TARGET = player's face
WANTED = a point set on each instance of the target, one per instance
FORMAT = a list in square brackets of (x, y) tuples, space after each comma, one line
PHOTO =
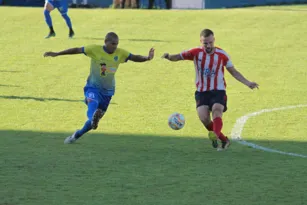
[(208, 43), (111, 45)]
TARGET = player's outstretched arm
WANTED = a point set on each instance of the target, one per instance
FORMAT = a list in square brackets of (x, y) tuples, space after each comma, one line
[(237, 75), (69, 51), (176, 57), (139, 58)]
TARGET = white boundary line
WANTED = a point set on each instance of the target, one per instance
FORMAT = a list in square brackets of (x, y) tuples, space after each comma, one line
[(239, 125)]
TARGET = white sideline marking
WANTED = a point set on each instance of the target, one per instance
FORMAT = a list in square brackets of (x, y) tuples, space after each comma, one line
[(239, 125)]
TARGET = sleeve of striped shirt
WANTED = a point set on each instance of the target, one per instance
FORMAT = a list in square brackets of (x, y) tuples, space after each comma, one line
[(189, 54), (228, 62)]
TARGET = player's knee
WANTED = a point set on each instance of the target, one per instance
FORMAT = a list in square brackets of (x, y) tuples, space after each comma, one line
[(217, 110), (46, 12), (64, 15), (48, 7), (205, 120), (217, 113)]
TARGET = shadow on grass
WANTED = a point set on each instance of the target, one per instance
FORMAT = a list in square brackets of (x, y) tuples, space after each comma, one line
[(132, 39), (281, 6), (114, 169), (10, 71), (13, 97), (2, 85)]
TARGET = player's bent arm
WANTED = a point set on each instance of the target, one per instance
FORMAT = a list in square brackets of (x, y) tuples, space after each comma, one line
[(175, 57), (69, 51), (237, 75), (138, 58)]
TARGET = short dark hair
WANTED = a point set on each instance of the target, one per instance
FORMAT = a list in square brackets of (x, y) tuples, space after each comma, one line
[(206, 33), (111, 35)]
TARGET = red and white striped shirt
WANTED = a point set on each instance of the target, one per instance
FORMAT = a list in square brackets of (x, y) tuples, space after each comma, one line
[(209, 68)]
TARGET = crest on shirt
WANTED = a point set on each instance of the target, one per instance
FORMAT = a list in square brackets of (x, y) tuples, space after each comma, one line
[(209, 73), (116, 58), (112, 70), (103, 69)]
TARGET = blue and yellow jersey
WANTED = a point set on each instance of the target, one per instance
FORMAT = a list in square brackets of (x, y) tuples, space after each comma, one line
[(103, 67)]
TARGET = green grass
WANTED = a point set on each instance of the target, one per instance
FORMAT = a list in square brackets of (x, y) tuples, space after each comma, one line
[(298, 7), (133, 157)]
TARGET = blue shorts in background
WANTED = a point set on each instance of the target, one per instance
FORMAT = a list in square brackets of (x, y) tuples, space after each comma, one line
[(61, 5), (94, 94)]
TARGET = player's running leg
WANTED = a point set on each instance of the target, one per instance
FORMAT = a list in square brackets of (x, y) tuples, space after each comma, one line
[(47, 9), (63, 9), (204, 116), (101, 110), (97, 106), (217, 113), (203, 100), (92, 106)]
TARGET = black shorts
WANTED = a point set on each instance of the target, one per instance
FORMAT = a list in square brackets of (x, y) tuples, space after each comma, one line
[(209, 98)]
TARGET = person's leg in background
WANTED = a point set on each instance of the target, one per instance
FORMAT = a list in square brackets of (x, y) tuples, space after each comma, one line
[(116, 4), (144, 4), (128, 4), (63, 9), (85, 4), (151, 4), (168, 4), (137, 3), (161, 4), (122, 3), (134, 4), (47, 9), (74, 4)]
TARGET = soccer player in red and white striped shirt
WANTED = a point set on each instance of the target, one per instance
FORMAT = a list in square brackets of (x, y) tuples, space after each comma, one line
[(210, 95)]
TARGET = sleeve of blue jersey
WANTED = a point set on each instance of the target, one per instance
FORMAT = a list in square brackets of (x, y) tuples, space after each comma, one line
[(128, 58), (83, 51)]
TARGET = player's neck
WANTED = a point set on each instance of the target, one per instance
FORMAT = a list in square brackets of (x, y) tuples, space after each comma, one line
[(105, 49), (213, 50)]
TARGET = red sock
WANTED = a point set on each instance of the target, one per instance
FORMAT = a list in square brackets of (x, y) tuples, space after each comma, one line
[(209, 127), (222, 137), (217, 128)]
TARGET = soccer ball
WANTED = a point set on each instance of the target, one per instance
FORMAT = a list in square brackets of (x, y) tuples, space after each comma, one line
[(176, 121)]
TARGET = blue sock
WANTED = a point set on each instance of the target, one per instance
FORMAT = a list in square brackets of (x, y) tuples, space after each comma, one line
[(67, 19), (91, 108), (87, 127), (48, 18)]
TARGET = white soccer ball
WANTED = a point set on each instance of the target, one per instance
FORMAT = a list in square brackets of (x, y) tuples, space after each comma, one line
[(176, 121)]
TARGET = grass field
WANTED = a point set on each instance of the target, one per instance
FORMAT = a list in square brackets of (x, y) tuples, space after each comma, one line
[(134, 158)]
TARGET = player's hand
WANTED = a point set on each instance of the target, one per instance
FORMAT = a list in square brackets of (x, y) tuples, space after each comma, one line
[(252, 85), (50, 54), (151, 54), (165, 55)]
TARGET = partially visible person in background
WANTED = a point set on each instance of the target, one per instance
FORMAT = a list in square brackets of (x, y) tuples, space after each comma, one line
[(144, 4), (159, 4), (62, 6), (83, 3), (126, 4)]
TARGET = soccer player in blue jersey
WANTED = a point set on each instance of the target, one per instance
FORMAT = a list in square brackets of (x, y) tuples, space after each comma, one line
[(62, 6), (100, 86)]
